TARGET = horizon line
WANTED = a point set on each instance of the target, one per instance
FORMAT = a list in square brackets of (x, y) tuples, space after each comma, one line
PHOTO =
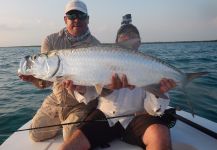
[(156, 42)]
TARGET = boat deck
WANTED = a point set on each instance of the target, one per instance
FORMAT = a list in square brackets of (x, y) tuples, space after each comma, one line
[(183, 137)]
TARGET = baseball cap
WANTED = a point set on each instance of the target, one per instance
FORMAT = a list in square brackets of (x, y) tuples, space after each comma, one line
[(126, 19), (76, 5)]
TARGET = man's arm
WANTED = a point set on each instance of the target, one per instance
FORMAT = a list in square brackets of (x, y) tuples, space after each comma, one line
[(154, 105), (45, 46)]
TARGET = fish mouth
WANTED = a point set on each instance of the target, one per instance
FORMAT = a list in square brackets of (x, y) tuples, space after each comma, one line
[(25, 65)]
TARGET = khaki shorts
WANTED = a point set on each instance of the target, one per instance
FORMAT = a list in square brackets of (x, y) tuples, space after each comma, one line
[(51, 113)]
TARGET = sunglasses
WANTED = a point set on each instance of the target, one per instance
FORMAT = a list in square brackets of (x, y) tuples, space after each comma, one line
[(77, 16)]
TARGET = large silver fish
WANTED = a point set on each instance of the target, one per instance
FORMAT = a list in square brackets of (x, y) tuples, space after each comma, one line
[(95, 65)]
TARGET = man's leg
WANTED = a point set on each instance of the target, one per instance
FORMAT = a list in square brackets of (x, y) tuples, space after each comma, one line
[(69, 129), (78, 113), (41, 120), (77, 141), (45, 116), (150, 132), (92, 134), (157, 137)]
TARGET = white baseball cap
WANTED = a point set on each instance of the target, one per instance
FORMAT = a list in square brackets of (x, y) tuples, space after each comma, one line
[(76, 5)]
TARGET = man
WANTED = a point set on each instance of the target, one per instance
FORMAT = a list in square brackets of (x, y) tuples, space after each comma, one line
[(148, 131), (60, 106), (128, 35)]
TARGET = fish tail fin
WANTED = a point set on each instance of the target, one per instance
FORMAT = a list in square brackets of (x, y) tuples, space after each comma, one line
[(191, 76)]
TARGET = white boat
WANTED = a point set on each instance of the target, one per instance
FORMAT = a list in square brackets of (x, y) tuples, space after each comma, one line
[(184, 137)]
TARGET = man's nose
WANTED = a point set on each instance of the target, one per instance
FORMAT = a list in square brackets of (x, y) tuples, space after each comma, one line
[(76, 20)]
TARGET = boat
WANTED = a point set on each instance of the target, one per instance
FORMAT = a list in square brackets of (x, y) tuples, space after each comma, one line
[(189, 133)]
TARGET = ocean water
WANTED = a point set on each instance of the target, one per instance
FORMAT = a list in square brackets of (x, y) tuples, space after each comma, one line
[(20, 100)]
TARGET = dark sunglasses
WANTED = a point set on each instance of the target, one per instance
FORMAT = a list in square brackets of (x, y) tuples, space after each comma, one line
[(77, 16)]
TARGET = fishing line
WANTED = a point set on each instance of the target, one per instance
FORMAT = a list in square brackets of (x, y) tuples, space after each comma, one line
[(170, 112), (76, 122)]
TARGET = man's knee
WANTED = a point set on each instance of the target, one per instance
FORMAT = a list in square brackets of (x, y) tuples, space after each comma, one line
[(76, 141), (41, 120), (68, 131), (157, 134), (42, 134)]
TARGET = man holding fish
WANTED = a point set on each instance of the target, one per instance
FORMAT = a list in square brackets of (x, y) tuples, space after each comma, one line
[(61, 106), (150, 131)]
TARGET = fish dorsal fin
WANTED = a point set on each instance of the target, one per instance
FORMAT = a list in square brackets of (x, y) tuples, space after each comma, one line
[(99, 88), (155, 89)]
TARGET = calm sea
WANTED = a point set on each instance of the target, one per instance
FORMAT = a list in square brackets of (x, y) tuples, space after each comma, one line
[(19, 100)]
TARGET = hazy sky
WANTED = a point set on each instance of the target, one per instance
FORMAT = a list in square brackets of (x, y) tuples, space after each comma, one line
[(27, 22)]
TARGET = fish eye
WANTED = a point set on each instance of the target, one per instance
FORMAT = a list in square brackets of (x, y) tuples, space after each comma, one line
[(34, 57)]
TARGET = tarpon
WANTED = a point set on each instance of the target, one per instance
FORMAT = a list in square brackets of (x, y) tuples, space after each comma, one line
[(94, 66)]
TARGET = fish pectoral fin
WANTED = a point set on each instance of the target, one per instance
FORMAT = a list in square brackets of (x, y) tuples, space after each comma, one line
[(99, 88), (155, 89)]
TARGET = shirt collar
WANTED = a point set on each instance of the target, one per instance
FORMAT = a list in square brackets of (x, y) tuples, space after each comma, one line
[(77, 38)]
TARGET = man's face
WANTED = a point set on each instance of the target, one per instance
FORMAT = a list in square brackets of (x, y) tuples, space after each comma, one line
[(76, 22), (130, 39)]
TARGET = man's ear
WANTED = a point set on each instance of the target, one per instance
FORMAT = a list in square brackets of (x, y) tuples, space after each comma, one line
[(65, 19)]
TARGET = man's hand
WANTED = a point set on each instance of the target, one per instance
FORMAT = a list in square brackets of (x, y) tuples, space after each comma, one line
[(117, 83), (41, 84), (166, 85), (70, 87), (27, 78)]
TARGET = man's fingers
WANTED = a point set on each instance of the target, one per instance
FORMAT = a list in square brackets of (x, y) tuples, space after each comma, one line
[(65, 84), (169, 83), (116, 82), (163, 89), (113, 85), (68, 84), (173, 83), (166, 85), (27, 78), (124, 81)]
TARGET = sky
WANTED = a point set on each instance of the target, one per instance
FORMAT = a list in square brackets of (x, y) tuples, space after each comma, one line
[(28, 22)]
